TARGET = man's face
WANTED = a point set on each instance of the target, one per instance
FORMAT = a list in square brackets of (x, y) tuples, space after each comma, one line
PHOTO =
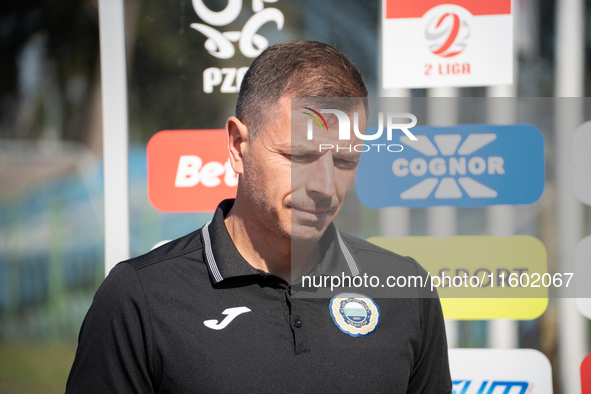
[(295, 189)]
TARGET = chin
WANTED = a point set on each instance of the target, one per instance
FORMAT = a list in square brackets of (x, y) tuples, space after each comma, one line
[(305, 234)]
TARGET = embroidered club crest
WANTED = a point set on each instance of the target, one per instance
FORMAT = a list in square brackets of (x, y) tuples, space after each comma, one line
[(355, 314)]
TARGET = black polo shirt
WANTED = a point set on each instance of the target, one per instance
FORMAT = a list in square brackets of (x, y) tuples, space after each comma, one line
[(192, 316)]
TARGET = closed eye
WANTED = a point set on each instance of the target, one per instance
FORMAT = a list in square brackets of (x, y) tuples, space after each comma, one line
[(345, 164)]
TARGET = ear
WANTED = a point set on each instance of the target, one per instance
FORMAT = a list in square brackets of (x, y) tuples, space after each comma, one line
[(237, 136)]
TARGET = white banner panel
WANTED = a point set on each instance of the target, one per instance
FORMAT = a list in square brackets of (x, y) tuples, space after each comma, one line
[(500, 371), (437, 43), (583, 274), (582, 158)]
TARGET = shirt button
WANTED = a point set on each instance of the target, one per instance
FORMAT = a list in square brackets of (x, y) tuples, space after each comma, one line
[(297, 322)]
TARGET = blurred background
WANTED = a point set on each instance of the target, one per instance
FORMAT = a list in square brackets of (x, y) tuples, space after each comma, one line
[(51, 154)]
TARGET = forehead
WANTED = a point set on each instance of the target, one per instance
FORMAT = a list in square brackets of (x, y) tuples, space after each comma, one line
[(291, 118), (286, 131), (324, 117)]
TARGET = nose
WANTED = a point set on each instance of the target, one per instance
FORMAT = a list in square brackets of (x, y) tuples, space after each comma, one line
[(321, 177)]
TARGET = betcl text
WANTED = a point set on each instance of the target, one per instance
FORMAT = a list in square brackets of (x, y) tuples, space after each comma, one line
[(191, 171)]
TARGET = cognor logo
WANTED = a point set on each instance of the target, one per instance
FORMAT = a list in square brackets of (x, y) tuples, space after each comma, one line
[(464, 166), (220, 44), (447, 33), (443, 173)]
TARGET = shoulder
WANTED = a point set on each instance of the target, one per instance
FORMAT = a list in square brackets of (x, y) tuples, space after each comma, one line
[(161, 270), (186, 247), (137, 280)]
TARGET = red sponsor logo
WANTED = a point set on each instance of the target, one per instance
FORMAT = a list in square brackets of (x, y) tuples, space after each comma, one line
[(586, 375), (189, 170), (447, 34), (418, 8)]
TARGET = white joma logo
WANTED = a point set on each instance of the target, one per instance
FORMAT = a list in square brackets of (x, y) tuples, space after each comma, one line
[(231, 315)]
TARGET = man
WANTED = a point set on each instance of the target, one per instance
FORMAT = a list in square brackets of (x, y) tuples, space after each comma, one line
[(215, 311)]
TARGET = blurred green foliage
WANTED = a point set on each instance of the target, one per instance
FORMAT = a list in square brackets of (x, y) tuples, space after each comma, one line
[(41, 368)]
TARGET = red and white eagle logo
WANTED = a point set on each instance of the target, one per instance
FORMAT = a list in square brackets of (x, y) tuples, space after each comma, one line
[(447, 34)]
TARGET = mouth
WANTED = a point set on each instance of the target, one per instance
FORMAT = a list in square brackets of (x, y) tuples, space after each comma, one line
[(311, 214)]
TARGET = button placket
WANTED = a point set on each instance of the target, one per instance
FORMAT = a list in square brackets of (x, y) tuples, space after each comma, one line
[(298, 326)]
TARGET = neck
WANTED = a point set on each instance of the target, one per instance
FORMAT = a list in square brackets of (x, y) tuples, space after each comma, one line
[(266, 250)]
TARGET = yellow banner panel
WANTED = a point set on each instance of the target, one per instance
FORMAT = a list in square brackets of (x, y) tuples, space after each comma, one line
[(482, 277)]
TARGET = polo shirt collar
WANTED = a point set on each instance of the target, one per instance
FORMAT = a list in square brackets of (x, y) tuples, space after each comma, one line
[(224, 261)]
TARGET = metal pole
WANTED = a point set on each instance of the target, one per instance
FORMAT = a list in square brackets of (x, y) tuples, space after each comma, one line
[(115, 131), (570, 35), (442, 220), (395, 221), (502, 333)]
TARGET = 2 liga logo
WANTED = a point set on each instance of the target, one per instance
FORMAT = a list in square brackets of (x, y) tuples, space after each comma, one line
[(447, 30)]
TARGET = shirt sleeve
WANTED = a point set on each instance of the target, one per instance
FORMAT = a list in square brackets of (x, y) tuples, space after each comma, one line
[(431, 370), (114, 346)]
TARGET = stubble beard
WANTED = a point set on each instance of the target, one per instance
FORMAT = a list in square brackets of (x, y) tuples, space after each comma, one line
[(266, 214)]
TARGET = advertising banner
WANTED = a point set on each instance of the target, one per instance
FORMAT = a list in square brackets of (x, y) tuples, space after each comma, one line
[(432, 43), (189, 170), (583, 275), (586, 375), (495, 371), (484, 273), (222, 40), (582, 159), (461, 166)]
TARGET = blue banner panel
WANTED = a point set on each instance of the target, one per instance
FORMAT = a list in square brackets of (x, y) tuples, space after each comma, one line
[(461, 166)]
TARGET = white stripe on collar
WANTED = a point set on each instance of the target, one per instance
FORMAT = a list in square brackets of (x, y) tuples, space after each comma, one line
[(218, 277), (209, 255), (348, 257)]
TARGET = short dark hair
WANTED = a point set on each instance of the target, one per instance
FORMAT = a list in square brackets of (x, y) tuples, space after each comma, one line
[(296, 69)]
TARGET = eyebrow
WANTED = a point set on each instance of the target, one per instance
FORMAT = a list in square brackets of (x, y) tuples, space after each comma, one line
[(303, 147), (346, 155), (307, 148)]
